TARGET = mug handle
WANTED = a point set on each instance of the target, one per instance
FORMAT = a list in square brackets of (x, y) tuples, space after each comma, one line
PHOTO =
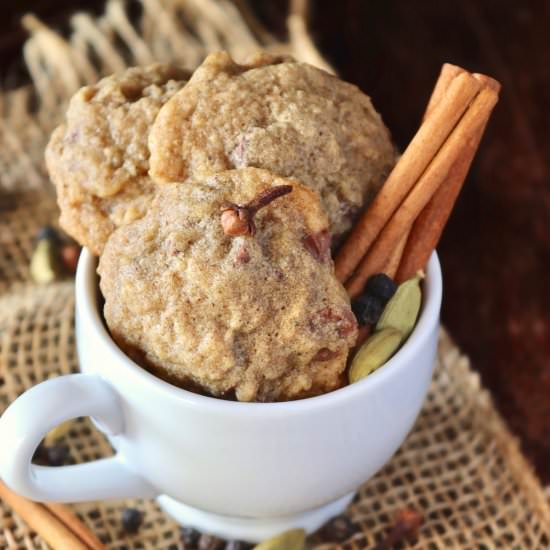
[(30, 417)]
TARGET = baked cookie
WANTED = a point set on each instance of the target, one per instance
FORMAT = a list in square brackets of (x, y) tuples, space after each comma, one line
[(99, 159), (250, 310), (274, 113)]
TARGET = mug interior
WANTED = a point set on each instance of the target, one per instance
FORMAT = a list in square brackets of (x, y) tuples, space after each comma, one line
[(89, 314)]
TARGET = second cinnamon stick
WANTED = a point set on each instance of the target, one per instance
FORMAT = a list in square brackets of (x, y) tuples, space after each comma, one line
[(71, 521), (422, 149), (41, 520), (429, 225), (446, 76), (449, 157)]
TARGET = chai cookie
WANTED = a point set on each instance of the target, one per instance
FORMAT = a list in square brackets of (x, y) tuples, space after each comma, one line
[(99, 159), (249, 310), (290, 118)]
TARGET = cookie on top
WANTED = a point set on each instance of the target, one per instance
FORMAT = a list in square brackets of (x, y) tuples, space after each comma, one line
[(274, 113)]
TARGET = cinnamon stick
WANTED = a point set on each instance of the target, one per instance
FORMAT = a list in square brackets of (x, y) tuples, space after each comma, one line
[(422, 149), (394, 260), (48, 525), (61, 512), (446, 76), (448, 160), (429, 225)]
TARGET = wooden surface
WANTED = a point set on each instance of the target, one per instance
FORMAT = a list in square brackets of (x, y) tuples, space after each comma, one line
[(496, 249)]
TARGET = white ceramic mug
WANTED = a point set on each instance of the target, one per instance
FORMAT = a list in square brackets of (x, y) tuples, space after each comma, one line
[(237, 470)]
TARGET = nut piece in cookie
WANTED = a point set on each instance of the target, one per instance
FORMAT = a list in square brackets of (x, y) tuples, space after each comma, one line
[(290, 118), (257, 315), (99, 159)]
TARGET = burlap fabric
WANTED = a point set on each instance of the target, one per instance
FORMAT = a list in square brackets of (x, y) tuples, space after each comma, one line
[(460, 466)]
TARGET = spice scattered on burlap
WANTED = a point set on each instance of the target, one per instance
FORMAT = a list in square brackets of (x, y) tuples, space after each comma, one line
[(460, 467)]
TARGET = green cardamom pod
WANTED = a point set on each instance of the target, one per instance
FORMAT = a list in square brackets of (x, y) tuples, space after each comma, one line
[(402, 310), (379, 347), (44, 261), (295, 539)]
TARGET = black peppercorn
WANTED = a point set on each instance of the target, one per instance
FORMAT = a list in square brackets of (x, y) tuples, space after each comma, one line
[(381, 286), (131, 520), (367, 308), (338, 529), (57, 454), (190, 537)]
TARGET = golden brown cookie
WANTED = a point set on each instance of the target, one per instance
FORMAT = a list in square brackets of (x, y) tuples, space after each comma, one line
[(287, 117), (258, 316), (99, 159)]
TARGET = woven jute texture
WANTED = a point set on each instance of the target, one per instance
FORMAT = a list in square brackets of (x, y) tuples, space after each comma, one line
[(460, 466)]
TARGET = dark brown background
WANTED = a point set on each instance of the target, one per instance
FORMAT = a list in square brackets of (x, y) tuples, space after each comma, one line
[(495, 251)]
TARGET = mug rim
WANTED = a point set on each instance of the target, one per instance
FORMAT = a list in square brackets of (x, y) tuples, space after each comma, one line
[(87, 304)]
